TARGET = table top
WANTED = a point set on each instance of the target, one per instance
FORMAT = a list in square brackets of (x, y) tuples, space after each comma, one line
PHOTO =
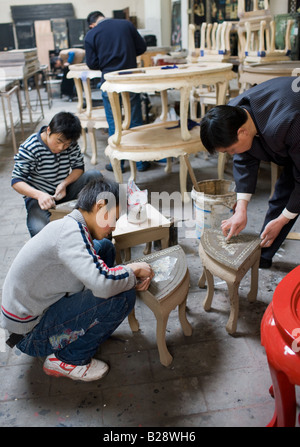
[(182, 70), (155, 219), (82, 71), (161, 77), (282, 67)]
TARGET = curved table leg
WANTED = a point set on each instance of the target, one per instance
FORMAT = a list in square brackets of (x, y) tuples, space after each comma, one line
[(84, 144), (116, 111), (183, 179), (116, 165), (132, 165), (93, 145), (164, 105), (221, 164)]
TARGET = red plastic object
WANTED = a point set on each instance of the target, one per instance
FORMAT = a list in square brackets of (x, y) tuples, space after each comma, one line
[(280, 336)]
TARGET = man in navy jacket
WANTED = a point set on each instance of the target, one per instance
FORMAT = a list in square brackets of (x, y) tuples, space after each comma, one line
[(112, 45), (262, 124)]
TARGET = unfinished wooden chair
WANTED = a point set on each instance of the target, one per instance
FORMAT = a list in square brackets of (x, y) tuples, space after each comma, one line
[(91, 117), (253, 17), (229, 262), (261, 49), (168, 290)]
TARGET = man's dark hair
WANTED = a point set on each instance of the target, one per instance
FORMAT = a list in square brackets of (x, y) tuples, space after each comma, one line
[(67, 124), (219, 127), (95, 190), (93, 17)]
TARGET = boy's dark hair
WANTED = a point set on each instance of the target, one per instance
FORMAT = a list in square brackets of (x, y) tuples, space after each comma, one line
[(98, 189), (93, 17), (219, 127), (67, 124)]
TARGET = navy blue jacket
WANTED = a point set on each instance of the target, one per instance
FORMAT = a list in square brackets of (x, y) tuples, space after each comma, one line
[(113, 45), (275, 109)]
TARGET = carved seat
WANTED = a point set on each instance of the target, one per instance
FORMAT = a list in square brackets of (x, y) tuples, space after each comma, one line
[(230, 262), (167, 290)]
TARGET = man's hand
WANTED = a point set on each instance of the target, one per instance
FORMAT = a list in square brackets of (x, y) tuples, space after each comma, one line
[(143, 273), (236, 223), (272, 230)]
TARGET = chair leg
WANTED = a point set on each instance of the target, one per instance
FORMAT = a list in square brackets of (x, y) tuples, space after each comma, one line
[(234, 307), (92, 136), (202, 280), (285, 400), (116, 165), (132, 165), (133, 322), (210, 290), (186, 327), (164, 354), (254, 282)]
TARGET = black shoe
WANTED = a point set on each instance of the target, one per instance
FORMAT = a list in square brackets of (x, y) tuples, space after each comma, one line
[(109, 168), (142, 166), (265, 263)]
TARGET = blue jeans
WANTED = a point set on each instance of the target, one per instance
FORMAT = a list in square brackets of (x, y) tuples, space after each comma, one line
[(75, 326), (38, 218), (136, 112)]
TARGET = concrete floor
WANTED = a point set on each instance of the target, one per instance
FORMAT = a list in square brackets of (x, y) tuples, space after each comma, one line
[(215, 380)]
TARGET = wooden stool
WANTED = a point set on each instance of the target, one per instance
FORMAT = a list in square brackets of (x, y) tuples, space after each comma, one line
[(62, 210), (230, 262), (164, 296), (127, 235), (280, 336)]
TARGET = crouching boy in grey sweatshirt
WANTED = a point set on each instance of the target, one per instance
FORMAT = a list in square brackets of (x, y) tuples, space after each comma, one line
[(62, 294)]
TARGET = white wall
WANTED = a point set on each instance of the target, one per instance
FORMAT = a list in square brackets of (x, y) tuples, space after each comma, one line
[(81, 7), (279, 6)]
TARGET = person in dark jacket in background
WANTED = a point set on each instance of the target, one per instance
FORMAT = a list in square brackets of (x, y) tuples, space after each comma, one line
[(261, 124), (112, 45)]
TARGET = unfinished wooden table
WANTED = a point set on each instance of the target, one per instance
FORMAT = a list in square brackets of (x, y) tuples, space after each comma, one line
[(164, 139)]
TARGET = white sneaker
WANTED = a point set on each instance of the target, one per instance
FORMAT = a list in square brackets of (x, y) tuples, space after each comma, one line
[(87, 373)]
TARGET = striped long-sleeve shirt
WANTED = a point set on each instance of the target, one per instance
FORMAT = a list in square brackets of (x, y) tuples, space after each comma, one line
[(36, 165)]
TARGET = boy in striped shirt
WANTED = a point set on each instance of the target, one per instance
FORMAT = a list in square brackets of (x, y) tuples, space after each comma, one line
[(49, 169)]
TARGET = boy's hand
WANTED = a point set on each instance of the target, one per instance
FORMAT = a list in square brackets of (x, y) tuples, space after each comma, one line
[(46, 201), (60, 192), (143, 273)]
